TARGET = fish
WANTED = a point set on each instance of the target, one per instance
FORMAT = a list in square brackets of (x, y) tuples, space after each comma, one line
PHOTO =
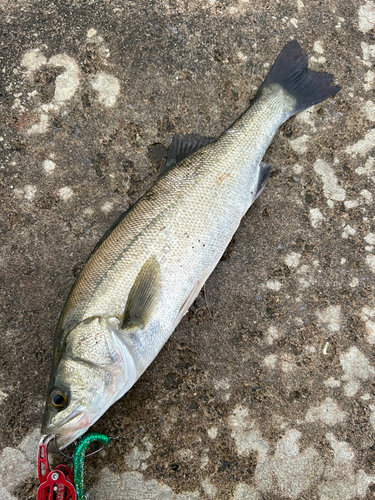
[(150, 266)]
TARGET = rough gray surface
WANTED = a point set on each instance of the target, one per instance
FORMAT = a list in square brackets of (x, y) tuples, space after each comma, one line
[(275, 397)]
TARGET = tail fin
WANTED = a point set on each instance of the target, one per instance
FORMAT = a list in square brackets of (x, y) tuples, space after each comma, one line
[(290, 71)]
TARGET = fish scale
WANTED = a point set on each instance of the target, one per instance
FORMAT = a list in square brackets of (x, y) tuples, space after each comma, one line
[(143, 277)]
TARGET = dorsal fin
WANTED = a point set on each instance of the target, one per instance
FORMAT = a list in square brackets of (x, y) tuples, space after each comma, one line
[(183, 146), (144, 295)]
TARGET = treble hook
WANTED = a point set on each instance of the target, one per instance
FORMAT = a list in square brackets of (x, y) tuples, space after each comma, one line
[(75, 443)]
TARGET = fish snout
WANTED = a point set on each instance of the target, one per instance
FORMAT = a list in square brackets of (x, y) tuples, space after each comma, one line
[(70, 429)]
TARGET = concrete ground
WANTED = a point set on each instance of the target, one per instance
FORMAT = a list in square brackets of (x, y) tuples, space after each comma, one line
[(266, 389)]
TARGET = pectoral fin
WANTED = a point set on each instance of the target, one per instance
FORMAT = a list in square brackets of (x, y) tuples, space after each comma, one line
[(144, 296)]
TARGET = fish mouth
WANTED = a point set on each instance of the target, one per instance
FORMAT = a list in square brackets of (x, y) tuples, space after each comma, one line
[(65, 438), (70, 429), (75, 417)]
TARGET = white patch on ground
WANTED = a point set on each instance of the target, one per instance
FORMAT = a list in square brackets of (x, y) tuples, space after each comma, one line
[(316, 217), (135, 458), (270, 361), (278, 421), (370, 239), (304, 283), (245, 492), (356, 367), (65, 193), (222, 386), (273, 285), (241, 56), (29, 192), (372, 416), (91, 33), (331, 188), (204, 459), (294, 22), (318, 47), (49, 166), (287, 365), (107, 207), (108, 88), (212, 432), (367, 196), (368, 316), (33, 60), (369, 81), (328, 412), (272, 335), (17, 105), (366, 17), (354, 282), (3, 396), (326, 348), (363, 146), (102, 50), (369, 109), (41, 127), (351, 204), (292, 260), (209, 489), (300, 145), (368, 53), (132, 486), (341, 481), (18, 464), (368, 169), (348, 231), (370, 261), (295, 471), (67, 83), (330, 317), (332, 383), (306, 117), (320, 59), (297, 169)]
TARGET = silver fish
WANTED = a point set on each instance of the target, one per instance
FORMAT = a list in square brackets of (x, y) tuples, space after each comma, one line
[(144, 275)]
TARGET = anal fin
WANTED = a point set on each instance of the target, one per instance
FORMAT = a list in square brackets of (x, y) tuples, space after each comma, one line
[(264, 175), (193, 294)]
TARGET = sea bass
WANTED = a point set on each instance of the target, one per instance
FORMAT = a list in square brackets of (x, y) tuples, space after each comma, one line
[(150, 266)]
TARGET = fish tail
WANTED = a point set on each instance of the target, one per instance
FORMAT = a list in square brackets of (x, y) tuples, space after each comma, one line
[(290, 71)]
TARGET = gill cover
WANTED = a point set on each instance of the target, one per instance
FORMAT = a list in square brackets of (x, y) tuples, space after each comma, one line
[(94, 369)]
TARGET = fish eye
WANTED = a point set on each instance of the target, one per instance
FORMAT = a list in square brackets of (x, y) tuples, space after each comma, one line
[(58, 398)]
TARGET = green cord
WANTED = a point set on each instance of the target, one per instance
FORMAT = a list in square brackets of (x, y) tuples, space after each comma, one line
[(78, 458)]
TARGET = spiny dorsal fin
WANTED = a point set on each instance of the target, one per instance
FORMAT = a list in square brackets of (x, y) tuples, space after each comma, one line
[(143, 296), (183, 146), (264, 175)]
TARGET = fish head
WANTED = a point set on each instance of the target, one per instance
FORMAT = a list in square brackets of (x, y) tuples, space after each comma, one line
[(93, 369)]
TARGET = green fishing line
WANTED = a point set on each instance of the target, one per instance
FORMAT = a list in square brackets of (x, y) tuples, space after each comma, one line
[(79, 456)]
